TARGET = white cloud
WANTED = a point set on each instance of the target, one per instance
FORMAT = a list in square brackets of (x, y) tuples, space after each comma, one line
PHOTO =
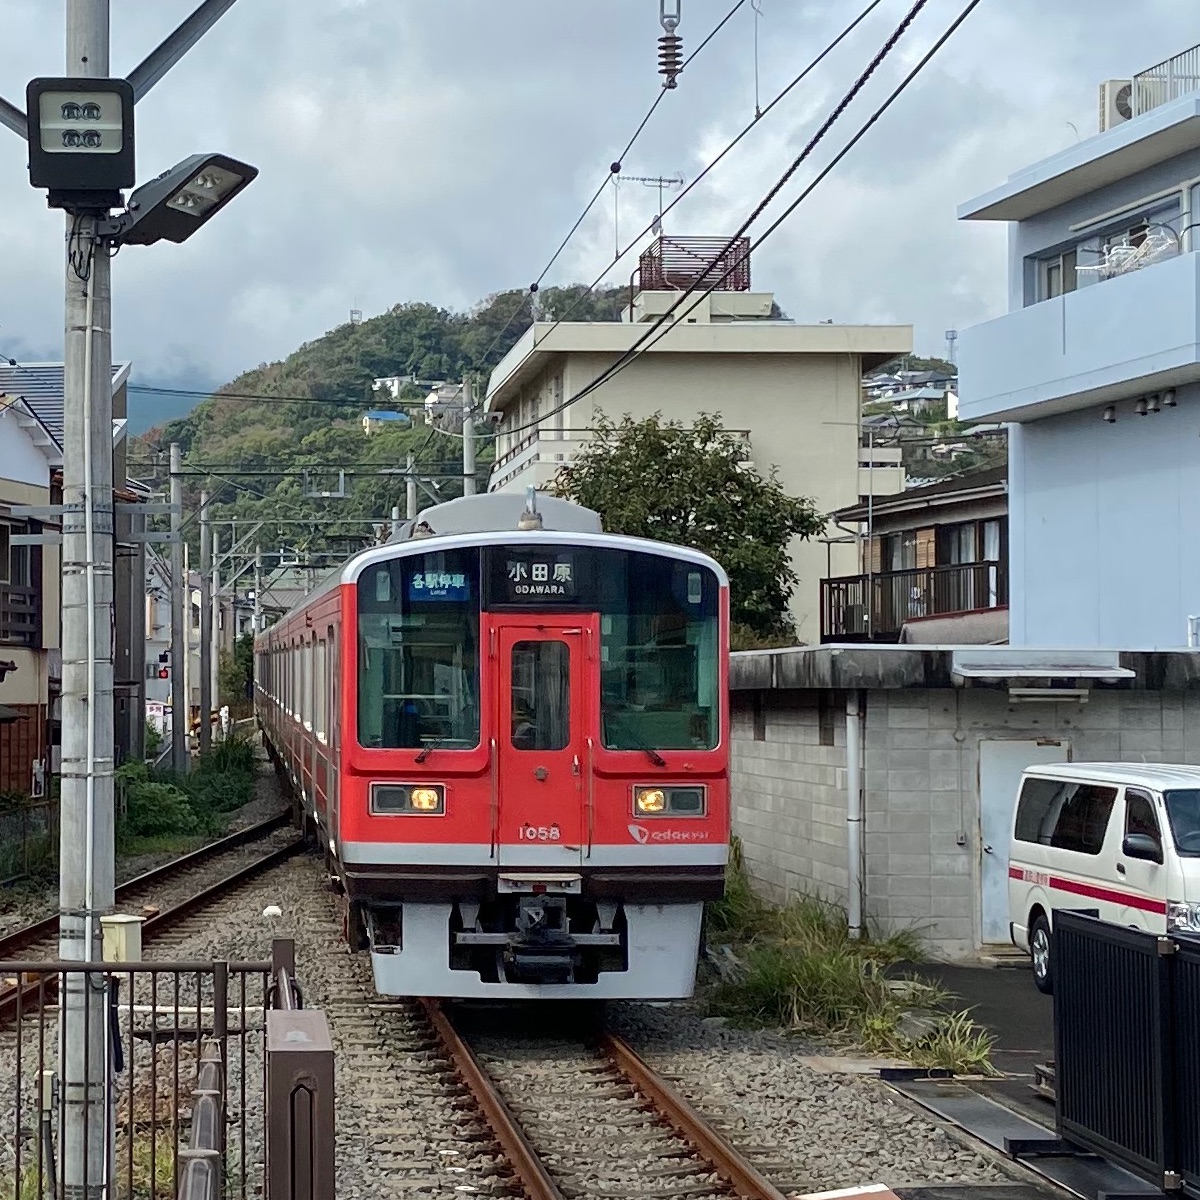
[(417, 151)]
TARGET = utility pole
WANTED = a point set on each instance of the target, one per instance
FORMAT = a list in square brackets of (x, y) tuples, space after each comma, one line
[(395, 520), (206, 626), (411, 488), (180, 621), (214, 630), (86, 863), (468, 432), (257, 590)]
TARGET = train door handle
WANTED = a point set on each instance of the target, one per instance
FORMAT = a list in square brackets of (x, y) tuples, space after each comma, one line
[(988, 850), (1121, 868), (541, 774), (575, 765)]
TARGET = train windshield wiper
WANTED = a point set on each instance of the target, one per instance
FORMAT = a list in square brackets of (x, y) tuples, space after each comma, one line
[(430, 748), (653, 755)]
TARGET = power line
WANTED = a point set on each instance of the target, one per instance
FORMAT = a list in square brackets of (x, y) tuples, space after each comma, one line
[(657, 332), (614, 169), (664, 323), (812, 66)]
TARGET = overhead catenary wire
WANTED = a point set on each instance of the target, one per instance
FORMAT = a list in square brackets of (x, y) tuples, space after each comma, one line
[(614, 169), (665, 323), (662, 327), (779, 98)]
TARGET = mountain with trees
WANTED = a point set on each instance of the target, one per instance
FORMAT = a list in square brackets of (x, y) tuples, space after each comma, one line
[(269, 442)]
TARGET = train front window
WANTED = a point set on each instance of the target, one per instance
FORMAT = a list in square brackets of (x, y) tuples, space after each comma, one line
[(659, 654), (418, 652)]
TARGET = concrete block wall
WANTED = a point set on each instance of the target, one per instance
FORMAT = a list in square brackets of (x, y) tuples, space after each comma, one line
[(922, 849), (789, 793)]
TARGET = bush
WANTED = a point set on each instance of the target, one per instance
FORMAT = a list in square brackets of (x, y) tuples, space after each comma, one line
[(156, 809), (798, 966)]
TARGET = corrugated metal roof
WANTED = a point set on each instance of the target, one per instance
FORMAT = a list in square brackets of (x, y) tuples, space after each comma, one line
[(40, 385)]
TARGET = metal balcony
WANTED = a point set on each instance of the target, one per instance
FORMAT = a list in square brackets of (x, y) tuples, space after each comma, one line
[(875, 608), (20, 616)]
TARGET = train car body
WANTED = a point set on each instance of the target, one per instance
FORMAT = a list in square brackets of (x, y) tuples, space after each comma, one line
[(509, 731)]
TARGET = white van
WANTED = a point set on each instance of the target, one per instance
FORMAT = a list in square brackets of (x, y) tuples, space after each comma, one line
[(1120, 839)]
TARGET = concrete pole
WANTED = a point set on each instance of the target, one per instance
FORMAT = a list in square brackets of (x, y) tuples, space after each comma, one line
[(180, 622), (187, 657), (411, 488), (468, 432), (86, 864), (213, 657), (395, 520), (206, 626), (257, 590)]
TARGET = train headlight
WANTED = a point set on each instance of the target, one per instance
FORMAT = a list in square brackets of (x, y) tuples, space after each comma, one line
[(407, 800), (426, 799), (669, 801), (651, 800)]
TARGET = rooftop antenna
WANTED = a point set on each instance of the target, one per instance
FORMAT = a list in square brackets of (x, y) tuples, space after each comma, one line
[(659, 181), (530, 518)]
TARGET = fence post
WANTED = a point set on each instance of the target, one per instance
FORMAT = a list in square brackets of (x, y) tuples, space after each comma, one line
[(300, 1106)]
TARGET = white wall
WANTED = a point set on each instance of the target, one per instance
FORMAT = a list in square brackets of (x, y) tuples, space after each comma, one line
[(20, 460), (1105, 528)]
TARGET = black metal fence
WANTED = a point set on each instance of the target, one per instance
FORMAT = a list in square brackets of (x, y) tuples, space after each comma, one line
[(1127, 1047), (28, 838), (187, 1108)]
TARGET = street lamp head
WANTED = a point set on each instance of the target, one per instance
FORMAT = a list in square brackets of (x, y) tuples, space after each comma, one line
[(172, 207), (81, 147)]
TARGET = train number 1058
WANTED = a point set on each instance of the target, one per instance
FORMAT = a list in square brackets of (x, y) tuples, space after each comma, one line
[(540, 833)]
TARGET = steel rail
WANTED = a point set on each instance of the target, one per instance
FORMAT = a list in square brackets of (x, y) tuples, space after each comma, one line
[(20, 939), (13, 998), (731, 1166), (531, 1171)]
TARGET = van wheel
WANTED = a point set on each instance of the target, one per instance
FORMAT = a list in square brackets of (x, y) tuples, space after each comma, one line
[(1039, 945)]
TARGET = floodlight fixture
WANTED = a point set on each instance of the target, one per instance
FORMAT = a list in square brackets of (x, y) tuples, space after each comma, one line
[(172, 207), (81, 146)]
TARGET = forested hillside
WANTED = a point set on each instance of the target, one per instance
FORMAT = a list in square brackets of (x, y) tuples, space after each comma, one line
[(251, 442)]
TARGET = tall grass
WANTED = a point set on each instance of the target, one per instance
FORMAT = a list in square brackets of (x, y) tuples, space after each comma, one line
[(799, 967)]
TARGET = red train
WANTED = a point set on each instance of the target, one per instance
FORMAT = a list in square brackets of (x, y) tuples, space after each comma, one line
[(510, 732)]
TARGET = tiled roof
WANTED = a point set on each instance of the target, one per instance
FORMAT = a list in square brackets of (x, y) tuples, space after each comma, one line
[(40, 385)]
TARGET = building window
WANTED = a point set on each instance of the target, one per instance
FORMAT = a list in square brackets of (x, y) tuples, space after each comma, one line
[(1058, 275), (900, 551), (5, 552)]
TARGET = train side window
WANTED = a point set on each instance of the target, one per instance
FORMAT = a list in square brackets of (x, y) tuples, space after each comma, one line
[(541, 696)]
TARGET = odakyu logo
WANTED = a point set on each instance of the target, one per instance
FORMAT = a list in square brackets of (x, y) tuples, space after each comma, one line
[(644, 836)]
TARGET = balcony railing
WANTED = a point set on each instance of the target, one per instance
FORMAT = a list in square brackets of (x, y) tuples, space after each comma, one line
[(1165, 82), (874, 608), (20, 616)]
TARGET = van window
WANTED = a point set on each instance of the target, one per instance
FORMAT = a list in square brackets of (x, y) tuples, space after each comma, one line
[(1183, 811), (1068, 816), (1139, 816)]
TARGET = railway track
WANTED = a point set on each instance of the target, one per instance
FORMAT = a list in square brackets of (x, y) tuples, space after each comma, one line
[(216, 869), (608, 1124)]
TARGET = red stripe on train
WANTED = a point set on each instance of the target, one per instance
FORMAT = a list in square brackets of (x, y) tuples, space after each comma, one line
[(1093, 892)]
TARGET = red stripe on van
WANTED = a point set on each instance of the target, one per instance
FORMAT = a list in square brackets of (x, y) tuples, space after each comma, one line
[(1091, 891), (1113, 897)]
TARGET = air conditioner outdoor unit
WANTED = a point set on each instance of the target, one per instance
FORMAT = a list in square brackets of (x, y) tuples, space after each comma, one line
[(1116, 103)]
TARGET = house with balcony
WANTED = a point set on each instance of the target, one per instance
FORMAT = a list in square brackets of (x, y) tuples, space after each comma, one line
[(793, 390), (32, 395), (30, 657), (1096, 370), (933, 569)]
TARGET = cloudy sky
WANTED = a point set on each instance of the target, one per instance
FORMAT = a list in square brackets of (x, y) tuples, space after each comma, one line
[(440, 149)]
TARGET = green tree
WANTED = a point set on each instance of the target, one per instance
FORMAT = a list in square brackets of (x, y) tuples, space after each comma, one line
[(691, 487)]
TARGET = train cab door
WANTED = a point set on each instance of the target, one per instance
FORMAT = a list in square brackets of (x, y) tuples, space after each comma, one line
[(541, 760)]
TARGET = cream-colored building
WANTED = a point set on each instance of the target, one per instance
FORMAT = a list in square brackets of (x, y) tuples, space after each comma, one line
[(794, 391)]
